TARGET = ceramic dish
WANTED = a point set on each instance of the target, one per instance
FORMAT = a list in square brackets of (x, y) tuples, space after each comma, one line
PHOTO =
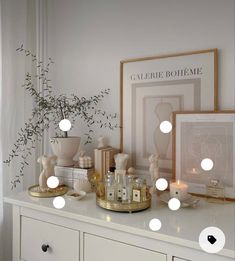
[(76, 195), (35, 191), (190, 201)]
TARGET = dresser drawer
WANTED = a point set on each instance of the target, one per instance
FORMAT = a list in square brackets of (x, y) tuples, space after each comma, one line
[(179, 259), (102, 249), (63, 242)]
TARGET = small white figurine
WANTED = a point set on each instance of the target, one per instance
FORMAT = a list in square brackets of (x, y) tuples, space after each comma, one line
[(121, 160), (48, 163), (102, 142), (154, 167)]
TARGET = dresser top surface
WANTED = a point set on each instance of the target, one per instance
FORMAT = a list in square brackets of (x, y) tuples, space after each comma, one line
[(180, 227)]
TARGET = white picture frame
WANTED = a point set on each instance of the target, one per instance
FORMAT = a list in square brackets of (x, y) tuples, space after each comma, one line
[(160, 85), (201, 135)]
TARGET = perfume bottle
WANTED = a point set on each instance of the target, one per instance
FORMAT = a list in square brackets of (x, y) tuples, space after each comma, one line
[(124, 190), (136, 192), (144, 191), (119, 187), (109, 175), (109, 190), (130, 179), (215, 189)]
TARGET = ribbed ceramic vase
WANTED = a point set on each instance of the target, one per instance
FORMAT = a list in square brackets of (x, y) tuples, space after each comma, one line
[(65, 149)]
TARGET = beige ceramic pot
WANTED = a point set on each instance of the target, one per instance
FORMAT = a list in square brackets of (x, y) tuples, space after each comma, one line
[(65, 149)]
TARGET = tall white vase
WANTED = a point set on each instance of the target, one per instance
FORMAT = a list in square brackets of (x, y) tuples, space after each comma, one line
[(65, 149)]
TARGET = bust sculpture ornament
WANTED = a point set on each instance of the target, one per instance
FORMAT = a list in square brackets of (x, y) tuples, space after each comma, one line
[(121, 160), (48, 164)]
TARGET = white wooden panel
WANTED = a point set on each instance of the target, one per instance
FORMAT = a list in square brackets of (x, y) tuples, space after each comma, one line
[(179, 259), (16, 233), (63, 242), (98, 248)]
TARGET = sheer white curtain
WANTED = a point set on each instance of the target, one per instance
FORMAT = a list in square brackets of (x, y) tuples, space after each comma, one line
[(1, 190), (17, 27)]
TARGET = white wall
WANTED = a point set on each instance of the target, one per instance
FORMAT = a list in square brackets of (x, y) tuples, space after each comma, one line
[(17, 27), (88, 38), (1, 178)]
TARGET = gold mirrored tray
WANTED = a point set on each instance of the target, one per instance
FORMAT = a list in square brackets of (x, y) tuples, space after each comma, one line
[(35, 191), (124, 207)]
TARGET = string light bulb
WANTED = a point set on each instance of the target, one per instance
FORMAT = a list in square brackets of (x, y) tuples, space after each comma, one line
[(65, 125)]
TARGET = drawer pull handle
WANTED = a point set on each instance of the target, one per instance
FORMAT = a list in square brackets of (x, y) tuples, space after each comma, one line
[(45, 247)]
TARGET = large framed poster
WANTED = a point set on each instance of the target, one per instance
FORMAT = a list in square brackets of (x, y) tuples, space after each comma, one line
[(151, 90), (203, 136)]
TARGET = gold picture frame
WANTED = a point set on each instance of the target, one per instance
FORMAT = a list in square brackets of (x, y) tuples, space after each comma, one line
[(143, 80), (205, 134)]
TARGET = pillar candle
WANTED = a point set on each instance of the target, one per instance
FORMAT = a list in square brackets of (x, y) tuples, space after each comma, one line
[(179, 190)]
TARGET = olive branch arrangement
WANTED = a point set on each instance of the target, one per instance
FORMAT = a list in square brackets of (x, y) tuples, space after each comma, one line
[(50, 109)]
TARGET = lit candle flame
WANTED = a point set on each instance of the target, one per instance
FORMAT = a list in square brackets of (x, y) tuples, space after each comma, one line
[(178, 182)]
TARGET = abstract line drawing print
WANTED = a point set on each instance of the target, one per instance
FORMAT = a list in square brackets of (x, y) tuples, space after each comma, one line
[(151, 103), (209, 140)]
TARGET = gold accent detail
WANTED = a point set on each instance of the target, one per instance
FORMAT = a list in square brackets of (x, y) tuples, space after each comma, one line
[(35, 191), (124, 207)]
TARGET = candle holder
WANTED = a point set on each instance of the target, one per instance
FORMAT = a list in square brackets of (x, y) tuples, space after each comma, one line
[(179, 190), (190, 201)]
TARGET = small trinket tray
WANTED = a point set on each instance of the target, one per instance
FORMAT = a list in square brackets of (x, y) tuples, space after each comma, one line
[(73, 195), (190, 201), (35, 191)]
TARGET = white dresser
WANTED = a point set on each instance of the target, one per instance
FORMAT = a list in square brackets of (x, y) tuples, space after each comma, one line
[(82, 231)]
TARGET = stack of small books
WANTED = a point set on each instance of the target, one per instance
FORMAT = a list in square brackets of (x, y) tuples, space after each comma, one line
[(69, 175), (104, 159)]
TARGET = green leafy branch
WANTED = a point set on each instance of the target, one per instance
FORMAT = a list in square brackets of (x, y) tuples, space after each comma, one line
[(50, 109)]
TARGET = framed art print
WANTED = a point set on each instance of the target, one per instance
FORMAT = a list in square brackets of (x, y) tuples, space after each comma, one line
[(200, 136), (151, 89)]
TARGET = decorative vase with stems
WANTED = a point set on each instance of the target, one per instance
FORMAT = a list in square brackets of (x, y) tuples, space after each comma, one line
[(49, 110)]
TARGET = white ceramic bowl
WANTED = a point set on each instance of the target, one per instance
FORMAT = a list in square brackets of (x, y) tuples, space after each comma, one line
[(76, 195)]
